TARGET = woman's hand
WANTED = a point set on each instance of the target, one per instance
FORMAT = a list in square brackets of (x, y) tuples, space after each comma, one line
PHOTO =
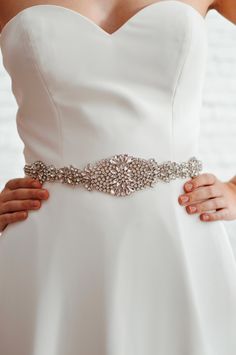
[(17, 197), (209, 193)]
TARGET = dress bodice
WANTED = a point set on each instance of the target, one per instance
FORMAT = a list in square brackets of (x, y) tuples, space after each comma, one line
[(84, 94)]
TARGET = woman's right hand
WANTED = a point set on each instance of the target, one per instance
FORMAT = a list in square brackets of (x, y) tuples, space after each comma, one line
[(17, 197)]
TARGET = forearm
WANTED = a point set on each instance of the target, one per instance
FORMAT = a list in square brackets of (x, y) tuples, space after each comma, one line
[(233, 180)]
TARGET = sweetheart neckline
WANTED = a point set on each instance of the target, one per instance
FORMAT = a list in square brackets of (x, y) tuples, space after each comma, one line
[(99, 28)]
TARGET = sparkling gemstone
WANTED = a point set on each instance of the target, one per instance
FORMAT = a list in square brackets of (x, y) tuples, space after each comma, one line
[(119, 175)]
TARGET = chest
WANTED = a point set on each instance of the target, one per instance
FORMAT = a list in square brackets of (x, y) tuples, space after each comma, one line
[(108, 15)]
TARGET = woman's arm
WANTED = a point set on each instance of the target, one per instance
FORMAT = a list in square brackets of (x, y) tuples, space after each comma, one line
[(233, 180), (17, 197), (206, 193), (226, 8)]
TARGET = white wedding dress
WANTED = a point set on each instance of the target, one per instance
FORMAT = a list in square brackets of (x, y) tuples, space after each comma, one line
[(91, 273)]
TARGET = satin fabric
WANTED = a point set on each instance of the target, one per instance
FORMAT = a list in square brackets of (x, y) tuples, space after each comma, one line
[(90, 273)]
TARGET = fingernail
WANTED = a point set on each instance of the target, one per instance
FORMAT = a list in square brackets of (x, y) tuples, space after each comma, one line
[(188, 187), (43, 194), (184, 198), (192, 208), (206, 216), (36, 184)]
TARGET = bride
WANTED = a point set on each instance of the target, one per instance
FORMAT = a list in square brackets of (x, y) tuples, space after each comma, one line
[(93, 260), (20, 195)]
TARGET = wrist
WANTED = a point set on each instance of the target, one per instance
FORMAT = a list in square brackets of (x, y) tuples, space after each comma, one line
[(233, 180), (232, 184)]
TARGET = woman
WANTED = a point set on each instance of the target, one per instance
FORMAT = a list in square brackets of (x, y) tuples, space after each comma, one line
[(104, 264)]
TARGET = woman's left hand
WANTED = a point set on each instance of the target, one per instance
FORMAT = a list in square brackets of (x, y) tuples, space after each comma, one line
[(210, 194)]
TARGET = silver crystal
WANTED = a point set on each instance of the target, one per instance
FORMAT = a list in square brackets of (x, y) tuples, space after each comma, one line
[(119, 175)]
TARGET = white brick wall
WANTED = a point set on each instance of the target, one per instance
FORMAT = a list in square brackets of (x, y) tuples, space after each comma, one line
[(218, 120)]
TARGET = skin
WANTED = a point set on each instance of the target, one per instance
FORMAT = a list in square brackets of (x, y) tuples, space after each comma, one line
[(112, 14), (17, 199), (208, 192)]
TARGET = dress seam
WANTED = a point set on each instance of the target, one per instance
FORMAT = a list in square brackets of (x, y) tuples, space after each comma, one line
[(49, 94), (177, 85)]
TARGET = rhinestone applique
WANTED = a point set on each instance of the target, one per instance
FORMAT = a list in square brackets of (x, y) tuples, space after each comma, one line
[(119, 175)]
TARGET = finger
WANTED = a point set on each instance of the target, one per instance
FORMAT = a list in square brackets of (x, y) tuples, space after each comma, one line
[(215, 216), (208, 205), (8, 218), (26, 182), (200, 194), (200, 180), (25, 194), (19, 205)]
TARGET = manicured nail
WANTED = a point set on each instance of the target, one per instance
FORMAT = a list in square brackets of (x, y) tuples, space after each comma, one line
[(188, 187), (184, 198), (36, 184), (206, 217), (43, 194), (192, 208)]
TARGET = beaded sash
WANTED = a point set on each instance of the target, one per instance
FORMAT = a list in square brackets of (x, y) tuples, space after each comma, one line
[(119, 175)]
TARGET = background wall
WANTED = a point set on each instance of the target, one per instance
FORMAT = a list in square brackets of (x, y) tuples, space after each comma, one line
[(218, 117)]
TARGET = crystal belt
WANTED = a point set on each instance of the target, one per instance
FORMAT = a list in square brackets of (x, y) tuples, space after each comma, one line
[(119, 175)]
